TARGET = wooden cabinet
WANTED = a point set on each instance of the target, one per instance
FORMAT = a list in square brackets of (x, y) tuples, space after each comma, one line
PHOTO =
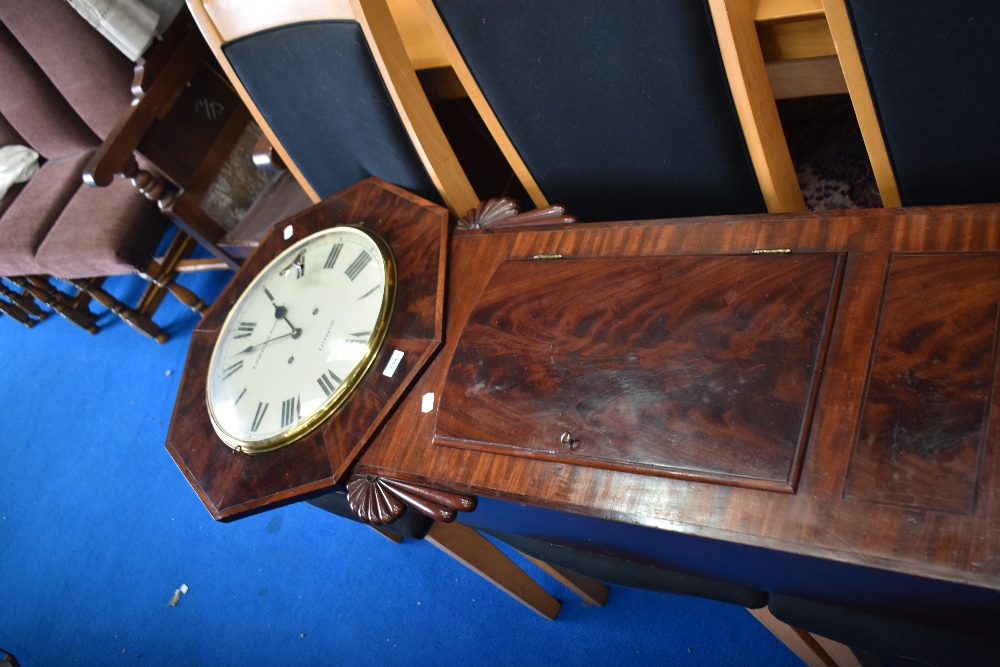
[(819, 386), (701, 367)]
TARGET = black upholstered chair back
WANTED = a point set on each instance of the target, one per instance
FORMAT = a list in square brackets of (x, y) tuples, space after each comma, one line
[(933, 70), (618, 109), (318, 87), (621, 572), (900, 642), (335, 93)]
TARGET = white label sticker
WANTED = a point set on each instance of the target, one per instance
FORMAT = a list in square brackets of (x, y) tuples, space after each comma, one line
[(288, 232), (394, 360), (428, 402)]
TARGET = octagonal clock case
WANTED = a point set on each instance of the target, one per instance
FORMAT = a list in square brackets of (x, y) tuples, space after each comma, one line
[(306, 351)]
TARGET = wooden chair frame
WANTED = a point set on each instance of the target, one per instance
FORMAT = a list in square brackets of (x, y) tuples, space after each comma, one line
[(798, 49), (861, 98), (157, 87), (748, 80), (225, 20)]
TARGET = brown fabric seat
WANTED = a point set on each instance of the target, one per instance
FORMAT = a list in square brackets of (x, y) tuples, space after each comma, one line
[(11, 195), (34, 210), (87, 69), (35, 114), (34, 107), (121, 238)]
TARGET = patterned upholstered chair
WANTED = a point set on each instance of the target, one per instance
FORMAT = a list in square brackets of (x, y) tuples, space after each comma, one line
[(62, 90)]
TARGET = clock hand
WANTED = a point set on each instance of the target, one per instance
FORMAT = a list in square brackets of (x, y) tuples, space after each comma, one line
[(279, 314), (251, 348)]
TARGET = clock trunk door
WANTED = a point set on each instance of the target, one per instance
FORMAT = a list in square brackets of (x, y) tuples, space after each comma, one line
[(698, 367)]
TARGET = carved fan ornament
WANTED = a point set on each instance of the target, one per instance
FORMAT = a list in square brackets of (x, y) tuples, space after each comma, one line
[(380, 501), (505, 212)]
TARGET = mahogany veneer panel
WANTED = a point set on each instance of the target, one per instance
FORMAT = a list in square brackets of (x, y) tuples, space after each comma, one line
[(923, 426), (699, 367)]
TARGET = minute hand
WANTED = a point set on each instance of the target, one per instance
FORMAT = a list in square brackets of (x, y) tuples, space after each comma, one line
[(250, 349)]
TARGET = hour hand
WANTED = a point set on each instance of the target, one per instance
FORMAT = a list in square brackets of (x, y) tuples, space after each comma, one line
[(280, 313)]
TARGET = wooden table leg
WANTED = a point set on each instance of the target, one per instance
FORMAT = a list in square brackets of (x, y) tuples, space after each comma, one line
[(799, 642), (591, 590), (480, 555)]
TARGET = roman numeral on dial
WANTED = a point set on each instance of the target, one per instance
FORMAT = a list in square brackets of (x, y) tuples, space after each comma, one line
[(358, 265), (329, 382), (290, 411), (245, 329), (259, 415), (331, 259), (231, 370)]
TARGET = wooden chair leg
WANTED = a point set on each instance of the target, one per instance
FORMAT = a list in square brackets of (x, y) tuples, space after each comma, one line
[(186, 213), (799, 642), (14, 311), (591, 590), (42, 290), (137, 321), (480, 555), (201, 264), (24, 301), (845, 656), (162, 274), (180, 208)]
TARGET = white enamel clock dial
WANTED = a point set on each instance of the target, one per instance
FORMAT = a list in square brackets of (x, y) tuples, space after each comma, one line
[(300, 338)]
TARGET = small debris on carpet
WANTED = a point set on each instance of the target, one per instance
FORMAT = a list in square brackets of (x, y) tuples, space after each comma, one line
[(177, 595)]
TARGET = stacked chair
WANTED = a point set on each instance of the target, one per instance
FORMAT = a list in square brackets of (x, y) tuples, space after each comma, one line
[(923, 86), (63, 88), (332, 89)]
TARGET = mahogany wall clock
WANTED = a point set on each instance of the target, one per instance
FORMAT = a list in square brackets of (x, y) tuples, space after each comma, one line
[(339, 285), (309, 347)]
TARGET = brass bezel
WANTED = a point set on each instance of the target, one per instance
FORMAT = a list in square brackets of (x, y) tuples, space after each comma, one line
[(345, 390)]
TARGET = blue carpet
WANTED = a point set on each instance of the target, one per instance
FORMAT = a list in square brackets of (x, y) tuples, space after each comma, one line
[(98, 528)]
